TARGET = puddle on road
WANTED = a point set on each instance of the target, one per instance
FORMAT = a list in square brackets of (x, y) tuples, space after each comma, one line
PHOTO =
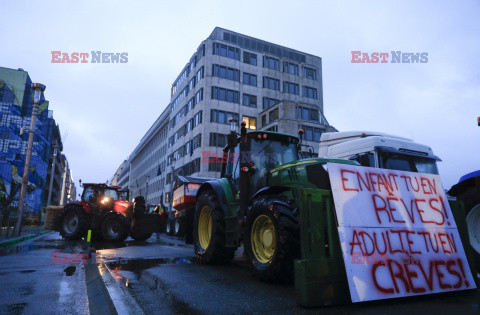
[(142, 264), (106, 245)]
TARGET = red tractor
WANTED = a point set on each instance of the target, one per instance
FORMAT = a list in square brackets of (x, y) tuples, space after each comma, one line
[(109, 218)]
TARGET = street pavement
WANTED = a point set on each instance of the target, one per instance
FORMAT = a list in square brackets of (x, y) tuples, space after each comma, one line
[(31, 284)]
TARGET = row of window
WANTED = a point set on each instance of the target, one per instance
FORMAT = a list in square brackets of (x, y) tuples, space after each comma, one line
[(186, 149), (311, 133), (226, 95), (222, 117), (197, 98), (188, 68), (185, 129), (198, 76), (305, 113), (268, 62)]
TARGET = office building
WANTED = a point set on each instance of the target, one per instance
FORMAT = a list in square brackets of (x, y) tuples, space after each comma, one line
[(268, 86)]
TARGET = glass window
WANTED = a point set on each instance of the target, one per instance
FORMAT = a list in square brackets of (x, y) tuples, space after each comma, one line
[(251, 122), (249, 58), (249, 100), (271, 63)]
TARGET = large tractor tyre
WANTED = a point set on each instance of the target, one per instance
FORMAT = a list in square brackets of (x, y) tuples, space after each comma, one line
[(179, 227), (115, 228), (271, 241), (209, 236), (473, 227), (73, 223)]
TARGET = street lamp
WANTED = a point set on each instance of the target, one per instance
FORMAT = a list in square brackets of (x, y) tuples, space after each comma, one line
[(38, 88)]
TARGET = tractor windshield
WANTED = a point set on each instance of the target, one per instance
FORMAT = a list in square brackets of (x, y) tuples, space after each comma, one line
[(268, 154), (111, 193)]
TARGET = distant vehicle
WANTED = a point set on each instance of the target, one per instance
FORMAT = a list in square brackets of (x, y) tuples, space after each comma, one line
[(376, 149), (101, 210)]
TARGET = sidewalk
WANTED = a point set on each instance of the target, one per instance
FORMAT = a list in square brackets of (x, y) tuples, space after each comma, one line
[(27, 232)]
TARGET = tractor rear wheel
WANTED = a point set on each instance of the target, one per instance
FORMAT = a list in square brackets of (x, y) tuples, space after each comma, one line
[(209, 231), (73, 223), (271, 240), (115, 228)]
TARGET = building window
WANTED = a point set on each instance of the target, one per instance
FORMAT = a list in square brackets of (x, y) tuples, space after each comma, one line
[(273, 115), (224, 95), (218, 140), (226, 73), (226, 51), (309, 73), (273, 128), (214, 164), (251, 122), (197, 141), (291, 88), (197, 119), (305, 113), (249, 58), (269, 102), (311, 133), (271, 63), (271, 83), (249, 100), (249, 79), (264, 120), (221, 117), (199, 96), (310, 92), (199, 74), (291, 68)]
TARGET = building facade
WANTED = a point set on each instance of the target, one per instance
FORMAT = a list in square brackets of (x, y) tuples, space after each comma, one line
[(16, 105), (268, 86)]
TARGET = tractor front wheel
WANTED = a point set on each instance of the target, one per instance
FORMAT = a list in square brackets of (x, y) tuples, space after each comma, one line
[(209, 231), (115, 228), (73, 223), (271, 240)]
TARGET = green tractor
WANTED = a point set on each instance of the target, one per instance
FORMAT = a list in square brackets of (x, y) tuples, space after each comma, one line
[(256, 202)]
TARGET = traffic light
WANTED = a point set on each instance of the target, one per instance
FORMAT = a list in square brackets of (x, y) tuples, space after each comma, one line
[(478, 119)]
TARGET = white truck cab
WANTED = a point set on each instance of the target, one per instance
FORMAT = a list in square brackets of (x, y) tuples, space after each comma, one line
[(376, 149)]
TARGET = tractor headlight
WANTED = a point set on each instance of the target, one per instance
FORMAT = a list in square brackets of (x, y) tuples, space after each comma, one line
[(105, 200)]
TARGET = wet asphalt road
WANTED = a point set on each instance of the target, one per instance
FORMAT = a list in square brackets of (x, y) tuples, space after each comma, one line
[(31, 284), (163, 277)]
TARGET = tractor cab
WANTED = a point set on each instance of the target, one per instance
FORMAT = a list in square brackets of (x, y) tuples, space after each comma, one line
[(251, 156), (100, 196)]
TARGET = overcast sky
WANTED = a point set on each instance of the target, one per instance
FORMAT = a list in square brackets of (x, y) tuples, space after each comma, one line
[(104, 109)]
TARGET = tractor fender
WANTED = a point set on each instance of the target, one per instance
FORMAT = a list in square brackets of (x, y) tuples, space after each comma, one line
[(285, 209), (82, 204), (216, 187)]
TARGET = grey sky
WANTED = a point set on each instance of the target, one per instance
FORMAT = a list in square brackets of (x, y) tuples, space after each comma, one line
[(104, 109)]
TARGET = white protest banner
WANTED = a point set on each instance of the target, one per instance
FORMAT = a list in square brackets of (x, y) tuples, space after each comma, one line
[(397, 233)]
